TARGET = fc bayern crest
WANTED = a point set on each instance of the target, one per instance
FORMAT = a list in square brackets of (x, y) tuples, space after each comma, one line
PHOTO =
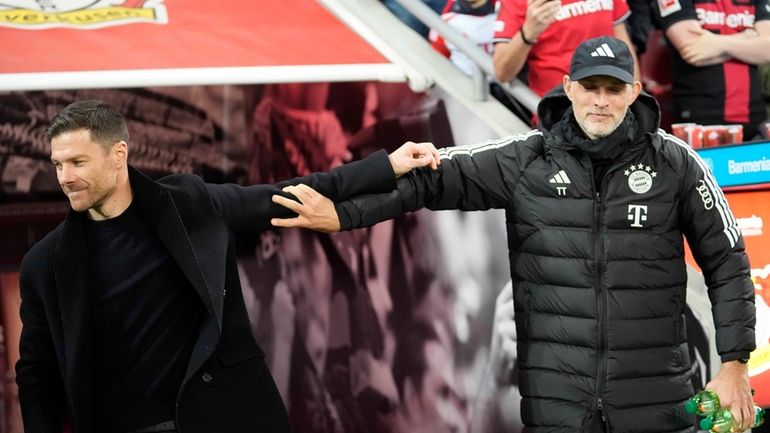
[(640, 178)]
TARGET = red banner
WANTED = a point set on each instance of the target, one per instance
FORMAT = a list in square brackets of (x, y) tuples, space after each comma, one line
[(155, 34)]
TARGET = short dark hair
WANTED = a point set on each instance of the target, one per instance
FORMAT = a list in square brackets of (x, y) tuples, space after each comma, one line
[(105, 123)]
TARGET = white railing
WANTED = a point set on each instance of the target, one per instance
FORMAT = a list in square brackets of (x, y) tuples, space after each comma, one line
[(483, 62)]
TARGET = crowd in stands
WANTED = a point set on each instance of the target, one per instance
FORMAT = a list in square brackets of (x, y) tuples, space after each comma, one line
[(704, 61)]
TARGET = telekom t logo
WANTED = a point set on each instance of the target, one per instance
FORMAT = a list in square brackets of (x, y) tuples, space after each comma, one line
[(637, 213)]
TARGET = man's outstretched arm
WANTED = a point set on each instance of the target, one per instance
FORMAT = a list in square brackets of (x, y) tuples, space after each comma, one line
[(317, 212), (470, 178), (250, 208)]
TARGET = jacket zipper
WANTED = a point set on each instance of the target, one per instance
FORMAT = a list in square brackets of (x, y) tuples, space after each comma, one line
[(601, 299)]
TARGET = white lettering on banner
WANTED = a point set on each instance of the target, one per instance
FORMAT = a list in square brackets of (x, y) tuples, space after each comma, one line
[(751, 226), (583, 7), (638, 214), (748, 166), (718, 18)]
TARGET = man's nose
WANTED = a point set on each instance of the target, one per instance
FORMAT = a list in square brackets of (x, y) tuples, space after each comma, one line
[(66, 175), (601, 98)]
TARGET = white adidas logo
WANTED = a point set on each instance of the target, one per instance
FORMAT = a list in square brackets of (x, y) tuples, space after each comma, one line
[(603, 51), (560, 178)]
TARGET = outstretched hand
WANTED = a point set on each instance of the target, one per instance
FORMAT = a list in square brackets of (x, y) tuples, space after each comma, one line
[(314, 210), (412, 155)]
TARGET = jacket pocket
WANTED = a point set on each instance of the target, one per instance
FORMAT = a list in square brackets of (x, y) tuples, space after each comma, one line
[(238, 353)]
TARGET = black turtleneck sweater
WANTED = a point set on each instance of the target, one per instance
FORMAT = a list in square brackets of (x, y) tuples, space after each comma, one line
[(146, 316)]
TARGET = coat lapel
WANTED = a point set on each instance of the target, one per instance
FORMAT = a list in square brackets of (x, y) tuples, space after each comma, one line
[(74, 289), (199, 257), (158, 208)]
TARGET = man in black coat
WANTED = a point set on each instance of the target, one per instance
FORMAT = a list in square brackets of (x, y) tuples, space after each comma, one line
[(598, 202), (132, 312)]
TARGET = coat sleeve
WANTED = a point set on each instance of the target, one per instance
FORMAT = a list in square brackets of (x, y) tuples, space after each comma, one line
[(251, 207), (717, 245), (469, 178), (41, 389)]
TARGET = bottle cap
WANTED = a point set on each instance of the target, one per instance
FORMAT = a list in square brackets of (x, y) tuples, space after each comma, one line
[(691, 406), (706, 423)]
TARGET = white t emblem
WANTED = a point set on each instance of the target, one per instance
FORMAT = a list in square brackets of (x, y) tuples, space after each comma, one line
[(637, 213)]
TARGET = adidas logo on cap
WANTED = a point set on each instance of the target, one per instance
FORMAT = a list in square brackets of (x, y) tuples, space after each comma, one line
[(602, 56), (603, 51)]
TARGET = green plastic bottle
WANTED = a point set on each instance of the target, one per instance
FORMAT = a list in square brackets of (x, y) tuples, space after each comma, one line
[(703, 403), (722, 421)]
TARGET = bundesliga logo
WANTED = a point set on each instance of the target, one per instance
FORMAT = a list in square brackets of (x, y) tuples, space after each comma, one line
[(80, 14)]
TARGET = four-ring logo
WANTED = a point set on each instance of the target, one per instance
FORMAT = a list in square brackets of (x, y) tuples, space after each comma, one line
[(705, 195)]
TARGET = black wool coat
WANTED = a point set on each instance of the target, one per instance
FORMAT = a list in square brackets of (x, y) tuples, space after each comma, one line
[(227, 387)]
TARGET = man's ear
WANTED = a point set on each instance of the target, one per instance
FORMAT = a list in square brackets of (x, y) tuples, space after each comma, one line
[(566, 83), (120, 152), (636, 89)]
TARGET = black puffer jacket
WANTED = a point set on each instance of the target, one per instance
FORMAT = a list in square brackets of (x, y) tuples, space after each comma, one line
[(598, 272)]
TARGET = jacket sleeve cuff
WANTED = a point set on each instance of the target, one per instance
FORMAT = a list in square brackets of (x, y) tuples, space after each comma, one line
[(384, 168), (348, 220), (732, 356)]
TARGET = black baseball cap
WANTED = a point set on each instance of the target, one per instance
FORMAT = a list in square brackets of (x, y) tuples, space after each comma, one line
[(604, 55)]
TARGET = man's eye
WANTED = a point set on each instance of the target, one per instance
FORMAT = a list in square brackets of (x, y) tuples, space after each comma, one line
[(79, 163)]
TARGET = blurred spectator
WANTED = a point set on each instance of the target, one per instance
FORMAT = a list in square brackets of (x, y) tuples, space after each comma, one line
[(409, 19), (764, 71), (473, 18), (476, 20), (309, 280), (639, 24), (496, 408), (718, 46), (424, 373), (295, 133), (545, 33)]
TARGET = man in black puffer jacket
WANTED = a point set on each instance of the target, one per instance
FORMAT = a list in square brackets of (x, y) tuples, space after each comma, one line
[(598, 202)]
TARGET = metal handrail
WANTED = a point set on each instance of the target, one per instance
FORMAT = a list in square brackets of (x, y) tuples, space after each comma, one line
[(484, 67)]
